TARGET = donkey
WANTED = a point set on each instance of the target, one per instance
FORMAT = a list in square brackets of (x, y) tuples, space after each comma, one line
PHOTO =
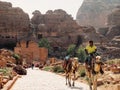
[(92, 72), (70, 67)]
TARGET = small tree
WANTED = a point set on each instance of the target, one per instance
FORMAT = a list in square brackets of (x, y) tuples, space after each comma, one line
[(44, 43), (81, 54), (70, 49), (17, 58)]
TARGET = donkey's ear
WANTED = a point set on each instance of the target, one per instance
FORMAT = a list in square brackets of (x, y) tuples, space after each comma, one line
[(98, 57)]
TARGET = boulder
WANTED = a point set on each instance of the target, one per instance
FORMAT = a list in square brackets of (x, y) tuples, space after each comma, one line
[(20, 70)]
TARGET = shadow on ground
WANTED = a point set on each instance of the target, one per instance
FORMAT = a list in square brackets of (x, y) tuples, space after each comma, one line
[(79, 88)]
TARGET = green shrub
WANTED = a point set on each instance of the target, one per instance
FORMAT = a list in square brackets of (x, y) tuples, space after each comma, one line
[(70, 49), (58, 69), (81, 54), (82, 73), (87, 79), (6, 71), (47, 68), (113, 61), (16, 56)]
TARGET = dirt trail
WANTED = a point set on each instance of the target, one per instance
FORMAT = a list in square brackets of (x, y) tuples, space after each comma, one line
[(42, 80)]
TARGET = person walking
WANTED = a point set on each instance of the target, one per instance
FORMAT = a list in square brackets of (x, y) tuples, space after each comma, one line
[(32, 66)]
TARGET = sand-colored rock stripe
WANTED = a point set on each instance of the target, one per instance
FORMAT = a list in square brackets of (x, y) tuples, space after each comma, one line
[(10, 83)]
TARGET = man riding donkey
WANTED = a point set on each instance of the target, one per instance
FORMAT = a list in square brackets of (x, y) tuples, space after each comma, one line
[(92, 62), (70, 67), (71, 64)]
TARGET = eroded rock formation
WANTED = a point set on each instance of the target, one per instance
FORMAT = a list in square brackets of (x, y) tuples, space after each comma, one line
[(114, 17), (57, 26), (95, 12), (14, 23)]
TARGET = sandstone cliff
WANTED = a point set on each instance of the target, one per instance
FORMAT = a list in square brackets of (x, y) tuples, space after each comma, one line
[(57, 26), (14, 23), (95, 12), (114, 30), (114, 17)]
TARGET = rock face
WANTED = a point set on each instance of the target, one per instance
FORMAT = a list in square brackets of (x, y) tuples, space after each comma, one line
[(113, 37), (114, 31), (114, 23), (89, 33), (61, 30), (95, 12), (14, 23), (114, 17), (57, 26)]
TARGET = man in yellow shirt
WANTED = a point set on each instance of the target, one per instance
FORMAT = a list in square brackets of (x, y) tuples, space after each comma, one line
[(90, 51), (91, 48)]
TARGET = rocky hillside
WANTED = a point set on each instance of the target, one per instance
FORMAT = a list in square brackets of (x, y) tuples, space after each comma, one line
[(101, 14), (112, 33), (89, 33), (61, 29), (95, 12), (113, 28), (14, 23), (114, 17), (57, 26)]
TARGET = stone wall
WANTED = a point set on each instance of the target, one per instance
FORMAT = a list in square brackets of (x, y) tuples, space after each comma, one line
[(31, 52)]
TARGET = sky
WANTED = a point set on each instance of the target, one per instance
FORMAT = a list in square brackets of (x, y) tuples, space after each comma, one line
[(28, 6)]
